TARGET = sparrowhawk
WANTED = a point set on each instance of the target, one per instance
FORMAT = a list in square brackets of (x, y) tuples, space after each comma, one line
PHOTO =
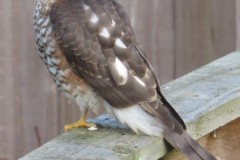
[(92, 54)]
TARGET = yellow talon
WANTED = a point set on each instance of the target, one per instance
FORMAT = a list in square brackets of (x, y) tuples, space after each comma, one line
[(81, 123), (78, 124)]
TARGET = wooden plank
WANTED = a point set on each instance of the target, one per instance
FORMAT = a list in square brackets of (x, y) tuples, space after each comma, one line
[(223, 143), (206, 99), (6, 78), (28, 97), (36, 108), (205, 30), (214, 86), (105, 143)]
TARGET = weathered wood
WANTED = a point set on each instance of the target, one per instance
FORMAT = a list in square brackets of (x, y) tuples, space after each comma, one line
[(27, 100), (31, 110), (223, 143), (6, 121), (203, 32), (207, 98)]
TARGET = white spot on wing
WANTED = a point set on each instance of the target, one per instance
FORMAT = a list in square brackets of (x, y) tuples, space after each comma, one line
[(122, 70), (120, 44), (85, 7), (113, 23), (94, 19), (104, 33), (140, 81)]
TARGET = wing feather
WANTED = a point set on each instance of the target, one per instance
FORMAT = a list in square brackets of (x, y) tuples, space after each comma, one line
[(96, 38), (98, 42)]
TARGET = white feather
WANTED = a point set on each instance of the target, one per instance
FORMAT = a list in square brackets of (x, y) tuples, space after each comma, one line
[(122, 70), (49, 61), (87, 98), (61, 73), (56, 60), (46, 22), (40, 21), (52, 70), (66, 86), (94, 19), (120, 44), (105, 33), (43, 31), (86, 7), (113, 23), (137, 119)]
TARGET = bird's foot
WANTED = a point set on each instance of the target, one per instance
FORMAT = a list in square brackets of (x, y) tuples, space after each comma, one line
[(79, 124)]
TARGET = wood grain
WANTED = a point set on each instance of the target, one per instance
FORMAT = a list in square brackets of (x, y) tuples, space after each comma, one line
[(6, 88), (172, 33), (203, 113), (223, 143), (205, 30), (28, 96)]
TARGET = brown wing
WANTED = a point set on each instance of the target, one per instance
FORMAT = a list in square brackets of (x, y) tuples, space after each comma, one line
[(97, 40), (100, 47), (164, 103)]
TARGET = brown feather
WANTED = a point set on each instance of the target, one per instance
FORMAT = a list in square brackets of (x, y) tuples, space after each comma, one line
[(95, 39), (87, 60)]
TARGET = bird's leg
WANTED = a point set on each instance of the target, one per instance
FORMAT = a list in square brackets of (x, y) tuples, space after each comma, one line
[(81, 123)]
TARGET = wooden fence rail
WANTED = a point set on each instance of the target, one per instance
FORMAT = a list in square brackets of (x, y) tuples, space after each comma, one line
[(178, 36), (206, 98)]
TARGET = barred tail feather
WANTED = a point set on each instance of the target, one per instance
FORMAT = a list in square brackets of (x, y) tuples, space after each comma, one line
[(187, 145)]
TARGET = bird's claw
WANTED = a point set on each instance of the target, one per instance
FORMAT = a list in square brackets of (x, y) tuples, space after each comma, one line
[(79, 124)]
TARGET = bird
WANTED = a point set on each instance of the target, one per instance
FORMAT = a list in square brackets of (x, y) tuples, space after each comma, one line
[(90, 50)]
